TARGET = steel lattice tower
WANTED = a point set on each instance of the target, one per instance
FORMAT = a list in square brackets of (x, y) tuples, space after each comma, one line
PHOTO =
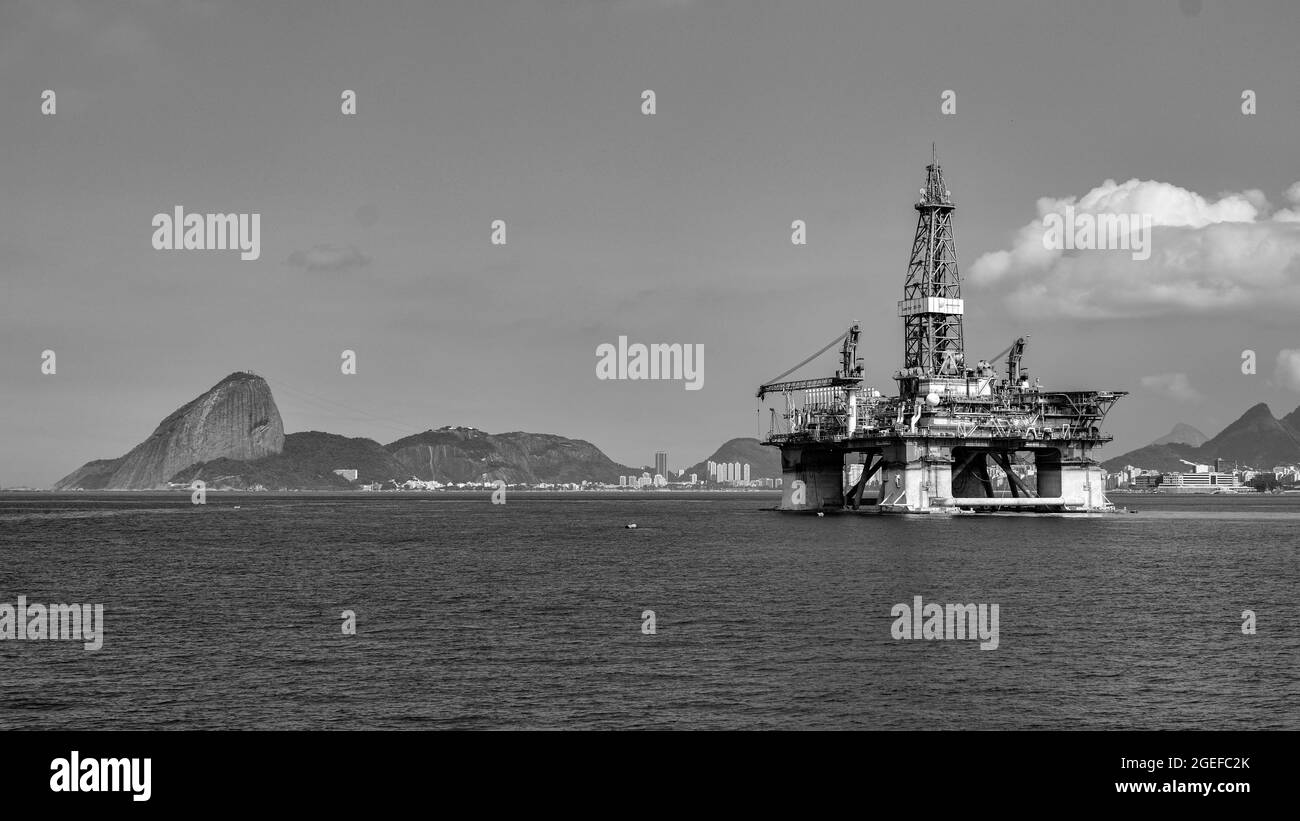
[(932, 305)]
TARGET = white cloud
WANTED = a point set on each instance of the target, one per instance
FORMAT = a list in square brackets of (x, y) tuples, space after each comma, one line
[(1206, 256), (1174, 385), (1287, 372), (1290, 214)]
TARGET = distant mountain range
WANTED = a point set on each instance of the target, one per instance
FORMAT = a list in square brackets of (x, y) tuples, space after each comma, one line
[(1257, 439), (232, 436)]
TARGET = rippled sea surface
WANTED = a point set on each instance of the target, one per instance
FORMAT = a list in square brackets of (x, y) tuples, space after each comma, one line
[(529, 614)]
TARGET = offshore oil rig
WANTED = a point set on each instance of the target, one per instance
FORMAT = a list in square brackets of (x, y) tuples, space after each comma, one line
[(932, 444)]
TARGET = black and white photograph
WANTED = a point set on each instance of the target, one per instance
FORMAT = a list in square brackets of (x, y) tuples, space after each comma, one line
[(581, 374)]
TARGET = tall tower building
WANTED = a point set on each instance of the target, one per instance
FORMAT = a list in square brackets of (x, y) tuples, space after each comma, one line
[(932, 305), (661, 464)]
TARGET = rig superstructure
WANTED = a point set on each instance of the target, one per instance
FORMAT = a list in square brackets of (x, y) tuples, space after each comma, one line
[(933, 442)]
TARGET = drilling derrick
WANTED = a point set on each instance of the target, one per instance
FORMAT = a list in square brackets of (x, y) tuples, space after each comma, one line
[(932, 306), (954, 430)]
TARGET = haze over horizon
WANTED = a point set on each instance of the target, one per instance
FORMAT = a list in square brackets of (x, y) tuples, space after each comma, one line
[(669, 228)]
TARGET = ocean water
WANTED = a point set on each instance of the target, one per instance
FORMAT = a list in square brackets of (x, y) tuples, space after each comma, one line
[(529, 614)]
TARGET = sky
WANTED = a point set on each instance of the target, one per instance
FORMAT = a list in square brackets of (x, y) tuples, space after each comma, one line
[(673, 227)]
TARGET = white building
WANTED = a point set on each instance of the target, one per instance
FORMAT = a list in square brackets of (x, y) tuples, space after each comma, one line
[(1201, 479)]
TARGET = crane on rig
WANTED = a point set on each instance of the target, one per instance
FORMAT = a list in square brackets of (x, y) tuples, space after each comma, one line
[(1015, 352), (849, 374)]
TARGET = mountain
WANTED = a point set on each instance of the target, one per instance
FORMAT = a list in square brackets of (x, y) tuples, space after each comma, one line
[(458, 454), (1164, 458), (307, 462), (1292, 421), (1256, 439), (1182, 434), (764, 462), (235, 419), (448, 455)]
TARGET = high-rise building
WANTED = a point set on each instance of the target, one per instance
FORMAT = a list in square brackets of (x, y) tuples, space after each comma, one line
[(661, 463), (746, 474)]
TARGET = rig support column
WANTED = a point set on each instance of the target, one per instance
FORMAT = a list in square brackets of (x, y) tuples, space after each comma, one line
[(1075, 478), (915, 472), (819, 473)]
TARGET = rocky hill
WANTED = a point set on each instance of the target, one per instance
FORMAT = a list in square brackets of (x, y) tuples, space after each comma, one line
[(235, 419), (448, 455), (307, 462), (459, 454)]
